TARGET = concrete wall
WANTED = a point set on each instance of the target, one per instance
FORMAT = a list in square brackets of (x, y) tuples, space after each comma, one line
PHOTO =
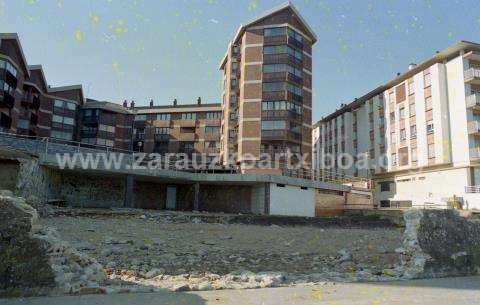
[(291, 200), (258, 199), (149, 195), (90, 191), (9, 172), (329, 203)]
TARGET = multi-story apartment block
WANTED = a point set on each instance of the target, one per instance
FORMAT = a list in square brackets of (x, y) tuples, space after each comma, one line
[(267, 88), (27, 104), (419, 132), (192, 128), (106, 124)]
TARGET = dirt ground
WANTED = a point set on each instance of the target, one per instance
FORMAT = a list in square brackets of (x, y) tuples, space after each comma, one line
[(143, 242)]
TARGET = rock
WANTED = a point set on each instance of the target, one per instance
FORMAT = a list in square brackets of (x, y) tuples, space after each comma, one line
[(143, 217), (6, 193), (203, 286), (456, 255), (154, 272), (345, 256), (180, 287)]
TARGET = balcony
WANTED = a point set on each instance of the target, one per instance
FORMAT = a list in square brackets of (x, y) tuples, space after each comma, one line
[(282, 76), (475, 153), (472, 76), (280, 135), (90, 120), (473, 189), (162, 137), (473, 128), (282, 59), (284, 114), (473, 101), (7, 100)]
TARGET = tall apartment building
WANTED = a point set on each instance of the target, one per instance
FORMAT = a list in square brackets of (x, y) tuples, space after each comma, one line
[(425, 124), (27, 104), (267, 87), (192, 128)]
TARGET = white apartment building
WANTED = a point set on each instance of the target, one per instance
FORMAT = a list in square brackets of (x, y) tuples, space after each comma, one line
[(424, 124)]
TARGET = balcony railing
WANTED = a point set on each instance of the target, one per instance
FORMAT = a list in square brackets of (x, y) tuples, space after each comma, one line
[(473, 127), (162, 137), (473, 100), (475, 152), (281, 59), (282, 76), (472, 75), (472, 189)]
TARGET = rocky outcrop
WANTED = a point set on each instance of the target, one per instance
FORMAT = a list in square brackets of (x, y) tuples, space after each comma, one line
[(24, 263), (34, 260), (439, 243)]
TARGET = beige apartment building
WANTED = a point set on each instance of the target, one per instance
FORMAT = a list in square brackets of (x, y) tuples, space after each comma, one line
[(267, 88), (425, 126)]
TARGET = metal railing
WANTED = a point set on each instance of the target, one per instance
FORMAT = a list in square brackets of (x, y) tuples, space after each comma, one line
[(472, 73), (472, 189)]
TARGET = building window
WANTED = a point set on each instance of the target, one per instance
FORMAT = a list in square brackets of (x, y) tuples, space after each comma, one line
[(61, 135), (411, 88), (214, 115), (275, 32), (428, 103), (402, 113), (189, 116), (162, 130), (411, 108), (430, 127), (427, 80), (64, 105), (413, 152), (281, 105), (392, 117), (284, 49), (413, 132), (295, 35), (273, 125), (431, 151), (394, 159), (212, 129), (63, 120), (393, 138), (163, 116), (24, 124), (385, 186), (106, 128), (275, 68), (141, 117), (403, 134)]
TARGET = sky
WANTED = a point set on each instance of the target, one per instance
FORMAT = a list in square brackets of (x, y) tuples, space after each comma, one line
[(165, 49)]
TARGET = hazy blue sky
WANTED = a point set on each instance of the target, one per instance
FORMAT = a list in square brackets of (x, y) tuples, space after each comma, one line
[(165, 49)]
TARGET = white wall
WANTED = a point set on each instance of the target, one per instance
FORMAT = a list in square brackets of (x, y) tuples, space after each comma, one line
[(292, 201)]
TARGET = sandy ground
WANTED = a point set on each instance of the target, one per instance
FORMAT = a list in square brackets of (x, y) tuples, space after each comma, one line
[(459, 291)]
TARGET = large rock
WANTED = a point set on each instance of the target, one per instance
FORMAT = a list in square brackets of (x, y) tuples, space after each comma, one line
[(440, 243), (34, 260), (24, 264)]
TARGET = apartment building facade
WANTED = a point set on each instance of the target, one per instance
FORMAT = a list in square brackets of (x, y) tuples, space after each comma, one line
[(178, 128), (106, 124), (267, 88), (418, 134), (28, 105)]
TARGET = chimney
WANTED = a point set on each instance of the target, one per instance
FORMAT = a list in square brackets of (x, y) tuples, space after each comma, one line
[(151, 103), (174, 102), (132, 105), (125, 104), (412, 66), (199, 100)]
